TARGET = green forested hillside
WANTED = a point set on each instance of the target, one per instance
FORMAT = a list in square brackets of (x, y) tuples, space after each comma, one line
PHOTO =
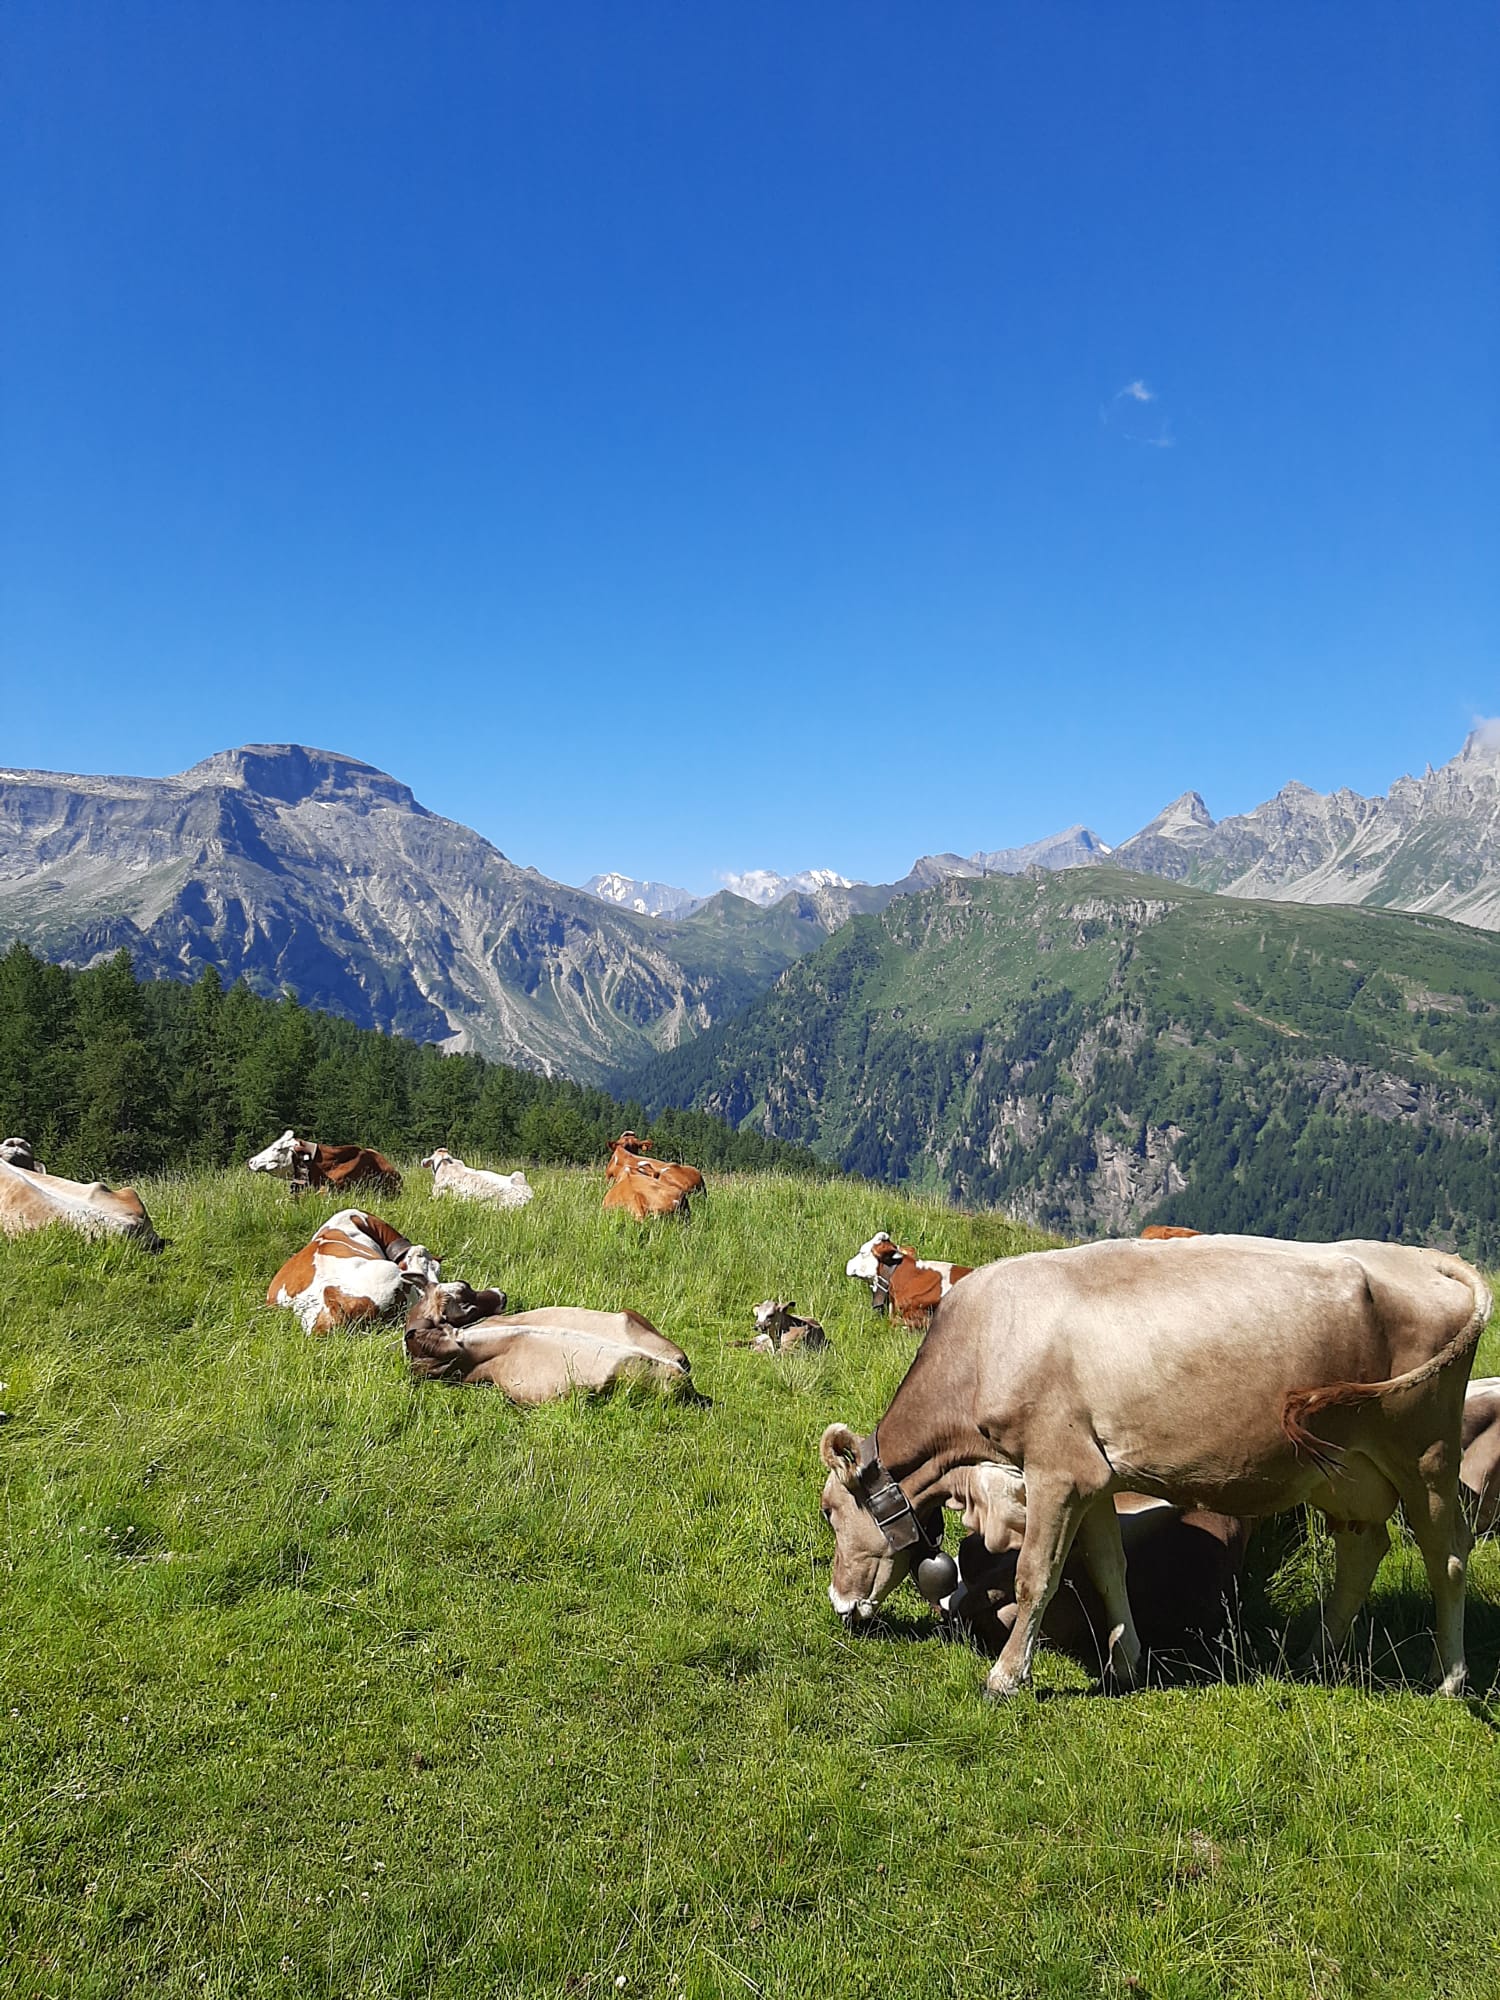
[(110, 1076), (1094, 1049)]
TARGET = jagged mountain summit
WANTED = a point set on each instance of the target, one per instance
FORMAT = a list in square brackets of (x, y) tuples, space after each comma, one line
[(1432, 843), (295, 867), (648, 899), (1074, 847), (763, 886)]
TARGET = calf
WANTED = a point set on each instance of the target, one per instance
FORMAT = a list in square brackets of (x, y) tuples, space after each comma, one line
[(901, 1281), (778, 1328), (32, 1200), (306, 1165), (1479, 1469), (451, 1176), (356, 1268), (542, 1356)]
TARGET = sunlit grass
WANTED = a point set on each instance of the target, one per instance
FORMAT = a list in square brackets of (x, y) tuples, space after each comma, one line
[(315, 1682)]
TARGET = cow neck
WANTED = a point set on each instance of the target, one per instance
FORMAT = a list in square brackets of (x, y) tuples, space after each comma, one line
[(921, 1456)]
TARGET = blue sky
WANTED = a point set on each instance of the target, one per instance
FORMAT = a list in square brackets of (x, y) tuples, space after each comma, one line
[(694, 437)]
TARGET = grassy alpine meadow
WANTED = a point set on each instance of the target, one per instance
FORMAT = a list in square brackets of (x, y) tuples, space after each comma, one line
[(316, 1682)]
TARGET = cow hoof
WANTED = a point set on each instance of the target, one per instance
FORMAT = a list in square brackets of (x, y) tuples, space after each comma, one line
[(1451, 1686), (999, 1685)]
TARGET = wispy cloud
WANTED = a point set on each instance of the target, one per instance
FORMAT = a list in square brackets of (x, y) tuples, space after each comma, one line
[(1125, 415), (1487, 731), (1137, 392)]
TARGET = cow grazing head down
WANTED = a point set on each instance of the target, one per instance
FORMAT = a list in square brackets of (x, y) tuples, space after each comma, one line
[(866, 1569), (280, 1157)]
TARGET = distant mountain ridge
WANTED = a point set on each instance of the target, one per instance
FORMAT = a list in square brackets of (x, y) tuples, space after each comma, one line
[(288, 866)]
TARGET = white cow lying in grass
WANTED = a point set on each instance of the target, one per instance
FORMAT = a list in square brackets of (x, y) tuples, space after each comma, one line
[(537, 1357), (451, 1176)]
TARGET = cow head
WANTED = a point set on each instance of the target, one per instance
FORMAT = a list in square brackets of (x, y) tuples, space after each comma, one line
[(18, 1153), (436, 1159), (771, 1318), (630, 1144), (418, 1267), (875, 1262), (450, 1306), (866, 1569), (280, 1157)]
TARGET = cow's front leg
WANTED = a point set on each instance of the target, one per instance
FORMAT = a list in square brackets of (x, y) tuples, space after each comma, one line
[(1053, 1513), (1104, 1553)]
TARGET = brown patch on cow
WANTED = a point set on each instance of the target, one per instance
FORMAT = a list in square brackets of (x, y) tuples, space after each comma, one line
[(1166, 1232), (295, 1275), (343, 1309)]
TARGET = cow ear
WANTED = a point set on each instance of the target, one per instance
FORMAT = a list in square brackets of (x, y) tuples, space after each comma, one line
[(839, 1449)]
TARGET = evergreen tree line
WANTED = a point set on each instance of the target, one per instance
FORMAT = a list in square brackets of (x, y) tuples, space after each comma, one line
[(110, 1076)]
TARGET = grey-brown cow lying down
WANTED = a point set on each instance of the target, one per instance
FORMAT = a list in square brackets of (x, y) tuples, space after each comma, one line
[(1224, 1372), (33, 1200), (1182, 1568), (539, 1357), (778, 1328)]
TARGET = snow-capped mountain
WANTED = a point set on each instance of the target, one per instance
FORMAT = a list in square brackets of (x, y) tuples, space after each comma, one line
[(651, 899), (765, 887)]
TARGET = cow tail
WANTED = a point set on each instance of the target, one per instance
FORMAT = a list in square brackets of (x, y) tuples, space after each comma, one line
[(1301, 1405)]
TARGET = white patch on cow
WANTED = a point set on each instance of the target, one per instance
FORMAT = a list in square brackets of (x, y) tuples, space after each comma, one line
[(277, 1157)]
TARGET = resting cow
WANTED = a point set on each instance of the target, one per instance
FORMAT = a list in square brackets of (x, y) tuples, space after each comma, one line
[(1223, 1372), (1166, 1232), (33, 1200), (779, 1328), (628, 1156), (308, 1165), (539, 1357), (1182, 1569), (356, 1268), (909, 1285), (640, 1195), (1480, 1467), (451, 1176)]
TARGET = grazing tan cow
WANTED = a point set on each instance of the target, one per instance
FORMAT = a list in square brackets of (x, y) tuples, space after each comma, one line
[(1480, 1467), (307, 1165), (901, 1281), (778, 1329), (357, 1268), (628, 1156), (1166, 1232), (1233, 1374), (32, 1200), (539, 1357)]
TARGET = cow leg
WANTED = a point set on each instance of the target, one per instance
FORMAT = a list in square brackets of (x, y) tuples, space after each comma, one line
[(1359, 1548), (1104, 1555), (1053, 1514), (1436, 1520)]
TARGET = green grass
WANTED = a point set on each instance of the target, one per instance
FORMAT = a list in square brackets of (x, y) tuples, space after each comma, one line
[(319, 1683)]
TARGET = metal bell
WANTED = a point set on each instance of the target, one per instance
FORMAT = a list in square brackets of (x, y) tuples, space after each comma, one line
[(937, 1574)]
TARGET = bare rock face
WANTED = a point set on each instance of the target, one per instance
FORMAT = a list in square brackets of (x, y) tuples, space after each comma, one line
[(294, 867), (1432, 844)]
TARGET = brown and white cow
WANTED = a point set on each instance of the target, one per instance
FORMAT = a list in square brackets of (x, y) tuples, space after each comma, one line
[(1229, 1373), (909, 1285), (32, 1200), (357, 1268), (306, 1164), (541, 1356), (628, 1155), (779, 1328)]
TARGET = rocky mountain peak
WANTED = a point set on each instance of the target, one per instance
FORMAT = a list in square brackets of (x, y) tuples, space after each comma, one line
[(293, 774), (1180, 817)]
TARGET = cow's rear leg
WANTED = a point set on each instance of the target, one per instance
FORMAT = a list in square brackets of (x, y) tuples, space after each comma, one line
[(1054, 1512), (1104, 1553), (1436, 1520), (1359, 1548)]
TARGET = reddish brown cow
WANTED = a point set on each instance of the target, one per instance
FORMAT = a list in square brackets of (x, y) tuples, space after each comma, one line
[(641, 1195), (629, 1156), (909, 1285), (306, 1164)]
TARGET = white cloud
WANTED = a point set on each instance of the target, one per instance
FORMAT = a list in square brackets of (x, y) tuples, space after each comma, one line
[(1487, 732), (1137, 392)]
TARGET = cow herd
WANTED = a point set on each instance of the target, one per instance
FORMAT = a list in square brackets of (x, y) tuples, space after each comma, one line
[(1108, 1421)]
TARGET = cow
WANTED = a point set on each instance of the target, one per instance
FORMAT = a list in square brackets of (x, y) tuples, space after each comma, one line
[(641, 1195), (1166, 1232), (451, 1176), (1182, 1567), (306, 1165), (18, 1153), (1229, 1373), (900, 1280), (356, 1268), (778, 1329), (541, 1356), (1479, 1469), (33, 1199), (628, 1155)]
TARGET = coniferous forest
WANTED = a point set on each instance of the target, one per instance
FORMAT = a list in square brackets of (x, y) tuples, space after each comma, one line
[(110, 1076)]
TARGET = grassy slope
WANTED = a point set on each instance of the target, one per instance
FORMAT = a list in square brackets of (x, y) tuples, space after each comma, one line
[(318, 1683)]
